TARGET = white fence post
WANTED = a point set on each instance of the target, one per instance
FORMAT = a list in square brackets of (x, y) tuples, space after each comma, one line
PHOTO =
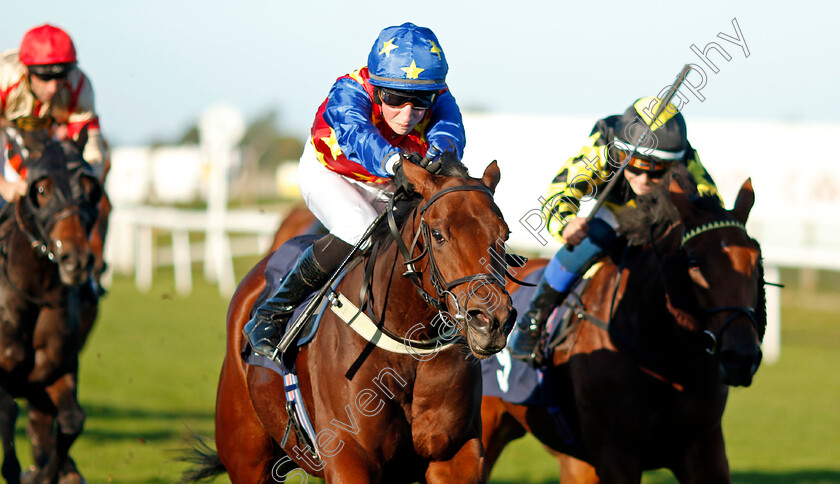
[(220, 128), (772, 346)]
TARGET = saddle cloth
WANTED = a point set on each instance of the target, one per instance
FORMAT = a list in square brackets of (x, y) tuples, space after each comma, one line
[(513, 380), (279, 264)]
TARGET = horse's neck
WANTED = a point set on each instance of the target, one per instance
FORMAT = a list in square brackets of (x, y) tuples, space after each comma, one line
[(397, 295), (22, 267), (649, 326)]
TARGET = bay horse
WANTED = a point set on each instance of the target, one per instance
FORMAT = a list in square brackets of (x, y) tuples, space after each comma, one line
[(45, 259), (686, 317), (399, 417)]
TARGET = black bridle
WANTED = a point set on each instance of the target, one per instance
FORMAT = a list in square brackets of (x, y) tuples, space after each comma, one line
[(442, 287), (68, 199), (36, 223), (711, 347)]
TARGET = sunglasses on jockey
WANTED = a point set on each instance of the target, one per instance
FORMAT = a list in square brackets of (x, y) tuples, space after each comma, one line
[(654, 169), (398, 98), (49, 72)]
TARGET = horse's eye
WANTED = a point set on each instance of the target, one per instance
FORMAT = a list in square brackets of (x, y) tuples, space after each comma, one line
[(694, 263), (41, 190), (438, 236)]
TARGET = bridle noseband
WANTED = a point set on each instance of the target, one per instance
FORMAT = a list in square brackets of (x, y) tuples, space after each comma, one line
[(712, 348), (442, 287), (60, 207)]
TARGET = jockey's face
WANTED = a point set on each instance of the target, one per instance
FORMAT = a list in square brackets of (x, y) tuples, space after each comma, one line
[(402, 119), (642, 183), (43, 89)]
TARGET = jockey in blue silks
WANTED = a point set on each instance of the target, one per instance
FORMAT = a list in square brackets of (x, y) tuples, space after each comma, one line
[(398, 104)]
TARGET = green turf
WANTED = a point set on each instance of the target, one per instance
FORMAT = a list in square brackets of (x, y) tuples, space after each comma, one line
[(150, 369)]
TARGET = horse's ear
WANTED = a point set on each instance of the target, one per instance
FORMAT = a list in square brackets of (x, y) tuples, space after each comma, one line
[(422, 180), (680, 199), (744, 202), (492, 175), (82, 138)]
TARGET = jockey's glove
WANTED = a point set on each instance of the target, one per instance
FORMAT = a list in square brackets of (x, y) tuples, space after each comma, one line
[(431, 162), (400, 180)]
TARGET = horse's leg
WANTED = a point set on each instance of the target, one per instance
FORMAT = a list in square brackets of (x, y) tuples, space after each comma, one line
[(353, 464), (576, 471), (704, 462), (39, 430), (59, 402), (466, 466), (616, 466), (71, 420), (498, 429), (8, 417), (244, 446)]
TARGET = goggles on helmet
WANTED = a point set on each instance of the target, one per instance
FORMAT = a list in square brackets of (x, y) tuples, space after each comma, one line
[(638, 166), (652, 174), (398, 98), (48, 72)]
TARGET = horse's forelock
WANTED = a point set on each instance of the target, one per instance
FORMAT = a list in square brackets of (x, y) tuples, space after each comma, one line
[(652, 210), (452, 167)]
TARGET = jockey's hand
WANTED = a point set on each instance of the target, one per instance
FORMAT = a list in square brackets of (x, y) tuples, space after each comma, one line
[(575, 231), (414, 158), (400, 180), (431, 162), (11, 191)]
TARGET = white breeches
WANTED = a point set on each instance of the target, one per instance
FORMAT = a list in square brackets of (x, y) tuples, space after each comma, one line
[(345, 207)]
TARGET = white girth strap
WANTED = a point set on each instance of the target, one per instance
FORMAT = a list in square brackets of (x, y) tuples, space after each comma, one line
[(362, 324)]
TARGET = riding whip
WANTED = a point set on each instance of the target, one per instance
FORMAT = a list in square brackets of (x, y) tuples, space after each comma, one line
[(310, 308), (665, 101)]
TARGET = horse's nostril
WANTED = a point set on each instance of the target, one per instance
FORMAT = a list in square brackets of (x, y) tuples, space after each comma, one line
[(478, 316), (68, 262), (729, 357), (735, 357)]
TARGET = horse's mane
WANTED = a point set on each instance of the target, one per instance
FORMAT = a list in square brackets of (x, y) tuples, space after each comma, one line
[(656, 210), (405, 205), (652, 211)]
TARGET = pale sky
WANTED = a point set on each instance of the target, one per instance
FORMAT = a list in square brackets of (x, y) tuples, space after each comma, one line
[(156, 65)]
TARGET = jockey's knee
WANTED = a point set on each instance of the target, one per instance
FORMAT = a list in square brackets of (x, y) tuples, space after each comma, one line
[(569, 264), (330, 251)]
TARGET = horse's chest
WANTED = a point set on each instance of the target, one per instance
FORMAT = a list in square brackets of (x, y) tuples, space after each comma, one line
[(445, 409)]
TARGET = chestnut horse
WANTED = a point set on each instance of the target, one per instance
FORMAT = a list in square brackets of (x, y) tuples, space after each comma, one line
[(45, 262), (399, 417), (686, 318)]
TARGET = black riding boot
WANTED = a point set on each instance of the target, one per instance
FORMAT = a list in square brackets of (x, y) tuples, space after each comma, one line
[(527, 332), (263, 331)]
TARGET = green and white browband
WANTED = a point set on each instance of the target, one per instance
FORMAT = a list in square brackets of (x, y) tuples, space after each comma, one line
[(720, 224)]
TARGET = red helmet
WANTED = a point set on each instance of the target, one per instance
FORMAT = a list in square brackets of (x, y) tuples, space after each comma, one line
[(46, 45)]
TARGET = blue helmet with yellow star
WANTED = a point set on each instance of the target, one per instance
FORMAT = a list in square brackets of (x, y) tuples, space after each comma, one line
[(407, 57)]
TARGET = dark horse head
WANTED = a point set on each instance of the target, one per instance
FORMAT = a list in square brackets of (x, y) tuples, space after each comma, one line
[(713, 277), (459, 235), (60, 208)]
